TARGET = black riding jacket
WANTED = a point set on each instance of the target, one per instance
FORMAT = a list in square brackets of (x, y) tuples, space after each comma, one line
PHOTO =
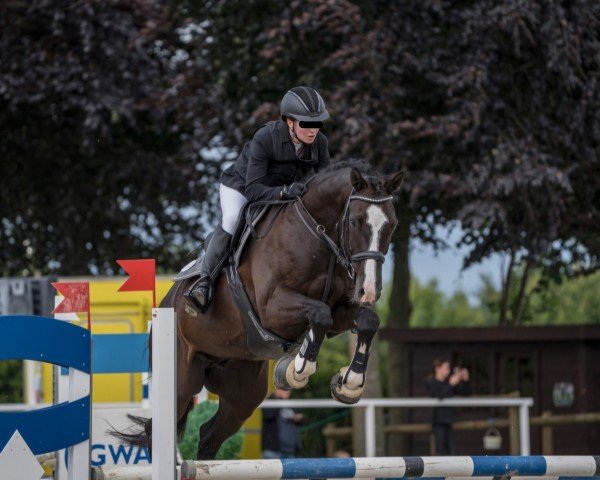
[(269, 161)]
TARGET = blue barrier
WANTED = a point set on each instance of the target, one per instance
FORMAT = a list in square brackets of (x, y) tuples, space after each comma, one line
[(43, 339), (28, 337)]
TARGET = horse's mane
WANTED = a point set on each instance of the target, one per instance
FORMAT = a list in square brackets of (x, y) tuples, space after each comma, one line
[(361, 165), (371, 175)]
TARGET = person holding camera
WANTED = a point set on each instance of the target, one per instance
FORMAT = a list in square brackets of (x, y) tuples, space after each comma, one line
[(445, 383)]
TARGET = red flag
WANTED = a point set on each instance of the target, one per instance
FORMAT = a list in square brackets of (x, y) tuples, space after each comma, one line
[(141, 276), (77, 297)]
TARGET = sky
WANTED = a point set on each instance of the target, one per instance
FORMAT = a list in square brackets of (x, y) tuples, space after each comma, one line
[(445, 266)]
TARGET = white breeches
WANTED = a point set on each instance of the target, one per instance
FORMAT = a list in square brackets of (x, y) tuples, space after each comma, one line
[(232, 202)]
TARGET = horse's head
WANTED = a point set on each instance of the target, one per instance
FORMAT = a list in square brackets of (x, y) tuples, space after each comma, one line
[(370, 220)]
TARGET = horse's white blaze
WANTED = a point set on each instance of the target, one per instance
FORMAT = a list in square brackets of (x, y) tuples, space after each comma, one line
[(376, 219)]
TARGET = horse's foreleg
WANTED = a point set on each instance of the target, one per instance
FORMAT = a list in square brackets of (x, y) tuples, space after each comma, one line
[(293, 372), (347, 386)]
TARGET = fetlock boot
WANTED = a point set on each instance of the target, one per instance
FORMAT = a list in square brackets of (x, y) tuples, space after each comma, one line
[(201, 294)]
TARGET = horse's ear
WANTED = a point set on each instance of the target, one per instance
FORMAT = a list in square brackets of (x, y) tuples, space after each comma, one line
[(358, 181), (392, 182)]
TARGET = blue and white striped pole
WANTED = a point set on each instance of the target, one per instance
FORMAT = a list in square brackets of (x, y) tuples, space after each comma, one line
[(395, 467), (425, 468)]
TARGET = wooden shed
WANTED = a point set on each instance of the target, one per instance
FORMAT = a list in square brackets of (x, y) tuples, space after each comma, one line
[(558, 366)]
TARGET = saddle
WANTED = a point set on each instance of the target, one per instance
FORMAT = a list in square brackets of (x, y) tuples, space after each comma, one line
[(261, 342)]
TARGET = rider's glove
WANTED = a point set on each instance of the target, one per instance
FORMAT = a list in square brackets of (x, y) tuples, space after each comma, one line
[(294, 190)]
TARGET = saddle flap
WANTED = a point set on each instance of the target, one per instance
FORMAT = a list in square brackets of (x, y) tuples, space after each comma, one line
[(261, 342)]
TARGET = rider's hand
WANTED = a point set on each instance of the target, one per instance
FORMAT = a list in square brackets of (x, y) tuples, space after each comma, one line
[(296, 189)]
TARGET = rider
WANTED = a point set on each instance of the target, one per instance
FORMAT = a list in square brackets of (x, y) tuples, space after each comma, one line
[(270, 167)]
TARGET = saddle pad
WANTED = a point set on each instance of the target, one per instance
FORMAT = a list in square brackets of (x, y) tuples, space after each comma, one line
[(192, 269)]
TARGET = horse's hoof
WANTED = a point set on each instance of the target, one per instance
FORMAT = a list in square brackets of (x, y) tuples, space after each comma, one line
[(341, 393), (285, 375), (279, 373)]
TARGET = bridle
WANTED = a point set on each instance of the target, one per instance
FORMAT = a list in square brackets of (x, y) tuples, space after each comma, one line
[(342, 253)]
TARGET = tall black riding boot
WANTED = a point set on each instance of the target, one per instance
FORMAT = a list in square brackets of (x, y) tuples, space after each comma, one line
[(202, 292)]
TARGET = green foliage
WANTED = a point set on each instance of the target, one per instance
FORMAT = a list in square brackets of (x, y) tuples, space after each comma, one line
[(431, 308), (571, 302), (575, 301), (201, 413), (11, 381)]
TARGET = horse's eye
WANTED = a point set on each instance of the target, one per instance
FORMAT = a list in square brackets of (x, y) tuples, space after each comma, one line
[(353, 222)]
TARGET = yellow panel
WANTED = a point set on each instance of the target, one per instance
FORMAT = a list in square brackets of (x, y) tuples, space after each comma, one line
[(114, 312)]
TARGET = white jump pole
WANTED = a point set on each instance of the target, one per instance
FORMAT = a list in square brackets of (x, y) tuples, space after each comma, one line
[(163, 393)]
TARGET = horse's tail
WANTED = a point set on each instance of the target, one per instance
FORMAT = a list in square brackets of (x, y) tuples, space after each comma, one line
[(138, 434)]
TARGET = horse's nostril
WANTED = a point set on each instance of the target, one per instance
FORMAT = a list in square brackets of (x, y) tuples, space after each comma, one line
[(361, 292)]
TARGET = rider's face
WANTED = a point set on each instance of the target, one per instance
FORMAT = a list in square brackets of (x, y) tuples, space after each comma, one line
[(305, 135)]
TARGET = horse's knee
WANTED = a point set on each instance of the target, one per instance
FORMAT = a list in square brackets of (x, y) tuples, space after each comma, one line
[(367, 321), (320, 319)]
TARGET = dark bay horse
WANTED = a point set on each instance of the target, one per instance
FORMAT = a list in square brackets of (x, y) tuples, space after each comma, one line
[(347, 211)]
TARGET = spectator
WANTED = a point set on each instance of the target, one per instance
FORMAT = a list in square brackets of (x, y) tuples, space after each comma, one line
[(442, 383), (280, 437)]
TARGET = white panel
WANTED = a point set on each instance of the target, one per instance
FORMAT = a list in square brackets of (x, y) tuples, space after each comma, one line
[(240, 469), (17, 462), (572, 466), (448, 466), (382, 467)]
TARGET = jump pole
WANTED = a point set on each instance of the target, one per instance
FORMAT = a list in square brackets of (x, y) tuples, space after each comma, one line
[(580, 467), (163, 393)]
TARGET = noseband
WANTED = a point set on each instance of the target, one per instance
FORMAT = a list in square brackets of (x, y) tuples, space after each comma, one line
[(342, 254)]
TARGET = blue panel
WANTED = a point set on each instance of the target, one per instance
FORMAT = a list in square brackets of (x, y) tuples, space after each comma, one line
[(121, 353), (49, 429), (318, 468), (522, 466), (28, 337)]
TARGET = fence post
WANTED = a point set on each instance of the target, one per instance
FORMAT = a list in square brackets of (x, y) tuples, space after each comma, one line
[(330, 441), (547, 435), (513, 430)]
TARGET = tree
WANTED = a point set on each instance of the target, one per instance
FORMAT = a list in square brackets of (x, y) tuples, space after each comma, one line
[(96, 162)]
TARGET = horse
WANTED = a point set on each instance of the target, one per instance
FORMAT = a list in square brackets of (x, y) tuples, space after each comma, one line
[(345, 221)]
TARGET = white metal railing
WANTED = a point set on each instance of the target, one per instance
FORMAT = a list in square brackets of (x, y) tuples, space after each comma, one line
[(370, 404)]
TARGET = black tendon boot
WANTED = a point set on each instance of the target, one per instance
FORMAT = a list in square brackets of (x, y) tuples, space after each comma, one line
[(201, 294)]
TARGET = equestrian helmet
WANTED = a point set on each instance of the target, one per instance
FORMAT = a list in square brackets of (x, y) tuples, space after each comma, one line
[(304, 104)]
